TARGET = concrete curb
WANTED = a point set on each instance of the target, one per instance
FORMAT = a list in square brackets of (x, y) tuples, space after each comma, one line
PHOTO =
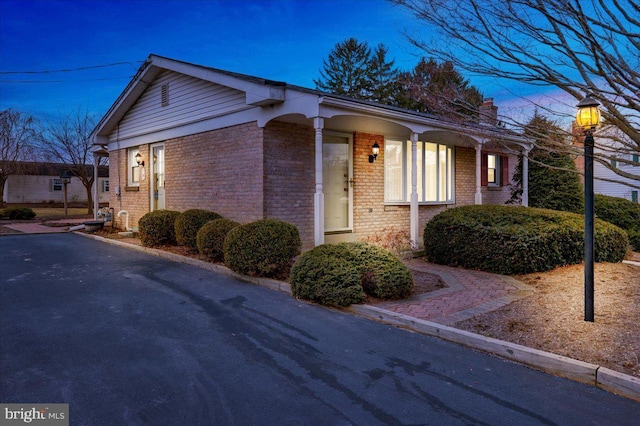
[(601, 377)]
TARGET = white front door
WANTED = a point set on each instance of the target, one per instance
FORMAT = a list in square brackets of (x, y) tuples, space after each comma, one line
[(337, 175), (157, 180)]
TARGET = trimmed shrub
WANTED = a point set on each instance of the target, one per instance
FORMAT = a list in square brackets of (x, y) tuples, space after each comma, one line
[(210, 238), (264, 248), (17, 213), (326, 278), (157, 228), (325, 274), (189, 223), (634, 238), (516, 240), (621, 212)]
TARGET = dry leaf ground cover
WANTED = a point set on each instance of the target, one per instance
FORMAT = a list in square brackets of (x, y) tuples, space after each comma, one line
[(552, 319)]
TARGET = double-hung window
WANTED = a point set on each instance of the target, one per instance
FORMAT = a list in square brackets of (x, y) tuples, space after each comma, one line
[(493, 170), (55, 184), (133, 167), (435, 171)]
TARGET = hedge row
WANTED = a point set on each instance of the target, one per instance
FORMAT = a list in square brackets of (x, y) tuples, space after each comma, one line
[(622, 213), (516, 240), (17, 213), (263, 248)]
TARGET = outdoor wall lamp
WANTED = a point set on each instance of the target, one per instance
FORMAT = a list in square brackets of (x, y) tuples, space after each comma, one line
[(588, 119), (138, 158), (375, 150)]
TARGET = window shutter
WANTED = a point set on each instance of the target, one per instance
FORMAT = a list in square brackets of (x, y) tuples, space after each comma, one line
[(484, 171), (504, 170), (635, 158)]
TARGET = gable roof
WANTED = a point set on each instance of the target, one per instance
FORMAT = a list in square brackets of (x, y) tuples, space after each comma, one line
[(260, 92)]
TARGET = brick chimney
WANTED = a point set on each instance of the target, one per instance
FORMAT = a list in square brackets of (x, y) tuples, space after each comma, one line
[(488, 112)]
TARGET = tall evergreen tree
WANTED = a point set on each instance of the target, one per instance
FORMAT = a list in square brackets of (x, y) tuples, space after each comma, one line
[(383, 76), (346, 70), (554, 182), (437, 88)]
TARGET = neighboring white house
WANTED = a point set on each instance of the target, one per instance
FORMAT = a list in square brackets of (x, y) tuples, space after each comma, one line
[(41, 183), (610, 143)]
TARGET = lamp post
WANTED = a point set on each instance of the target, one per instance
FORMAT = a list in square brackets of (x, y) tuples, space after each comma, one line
[(66, 178), (588, 118)]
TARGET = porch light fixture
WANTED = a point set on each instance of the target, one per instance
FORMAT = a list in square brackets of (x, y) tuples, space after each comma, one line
[(375, 150), (588, 119), (138, 158)]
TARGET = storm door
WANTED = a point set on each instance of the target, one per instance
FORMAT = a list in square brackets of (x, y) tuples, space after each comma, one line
[(337, 172), (157, 180)]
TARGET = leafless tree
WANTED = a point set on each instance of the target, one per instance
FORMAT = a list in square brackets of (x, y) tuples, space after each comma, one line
[(578, 46), (17, 140), (66, 140)]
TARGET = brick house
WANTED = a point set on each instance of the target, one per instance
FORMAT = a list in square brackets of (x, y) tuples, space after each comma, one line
[(185, 136)]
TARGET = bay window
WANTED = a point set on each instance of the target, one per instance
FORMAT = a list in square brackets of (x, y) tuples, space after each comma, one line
[(434, 171)]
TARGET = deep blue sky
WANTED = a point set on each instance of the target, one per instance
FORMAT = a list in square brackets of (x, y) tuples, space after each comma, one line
[(283, 40)]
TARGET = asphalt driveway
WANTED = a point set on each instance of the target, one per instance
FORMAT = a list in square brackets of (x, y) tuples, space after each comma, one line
[(127, 338)]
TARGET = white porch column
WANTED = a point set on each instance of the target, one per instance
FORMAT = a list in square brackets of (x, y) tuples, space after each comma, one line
[(318, 198), (96, 201), (525, 178), (413, 206), (478, 173)]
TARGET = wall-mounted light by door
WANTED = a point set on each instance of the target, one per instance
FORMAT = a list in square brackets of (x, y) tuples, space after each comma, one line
[(138, 158), (375, 150)]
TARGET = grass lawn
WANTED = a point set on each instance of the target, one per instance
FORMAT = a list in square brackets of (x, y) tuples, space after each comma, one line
[(54, 212)]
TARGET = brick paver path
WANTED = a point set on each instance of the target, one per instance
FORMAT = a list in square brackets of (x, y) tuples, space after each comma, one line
[(468, 294)]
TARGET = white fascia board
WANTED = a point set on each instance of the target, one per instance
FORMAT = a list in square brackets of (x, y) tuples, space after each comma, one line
[(416, 123), (295, 102), (238, 117)]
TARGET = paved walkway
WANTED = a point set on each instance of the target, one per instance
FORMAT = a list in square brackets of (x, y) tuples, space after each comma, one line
[(50, 227), (468, 293)]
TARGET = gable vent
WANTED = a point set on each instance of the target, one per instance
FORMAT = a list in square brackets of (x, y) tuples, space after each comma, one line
[(164, 95)]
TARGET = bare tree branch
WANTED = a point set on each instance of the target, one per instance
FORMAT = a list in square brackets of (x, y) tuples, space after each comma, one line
[(67, 141), (17, 141), (579, 47)]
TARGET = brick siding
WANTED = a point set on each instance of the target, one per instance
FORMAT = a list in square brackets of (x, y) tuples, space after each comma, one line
[(289, 176)]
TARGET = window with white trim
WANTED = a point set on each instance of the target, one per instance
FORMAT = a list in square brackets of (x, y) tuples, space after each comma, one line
[(435, 170), (493, 170), (55, 184), (133, 174), (105, 185)]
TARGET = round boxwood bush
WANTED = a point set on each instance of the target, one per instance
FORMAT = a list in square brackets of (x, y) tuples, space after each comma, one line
[(189, 223), (210, 238), (17, 213), (318, 274), (157, 228), (264, 248), (516, 240), (322, 276)]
